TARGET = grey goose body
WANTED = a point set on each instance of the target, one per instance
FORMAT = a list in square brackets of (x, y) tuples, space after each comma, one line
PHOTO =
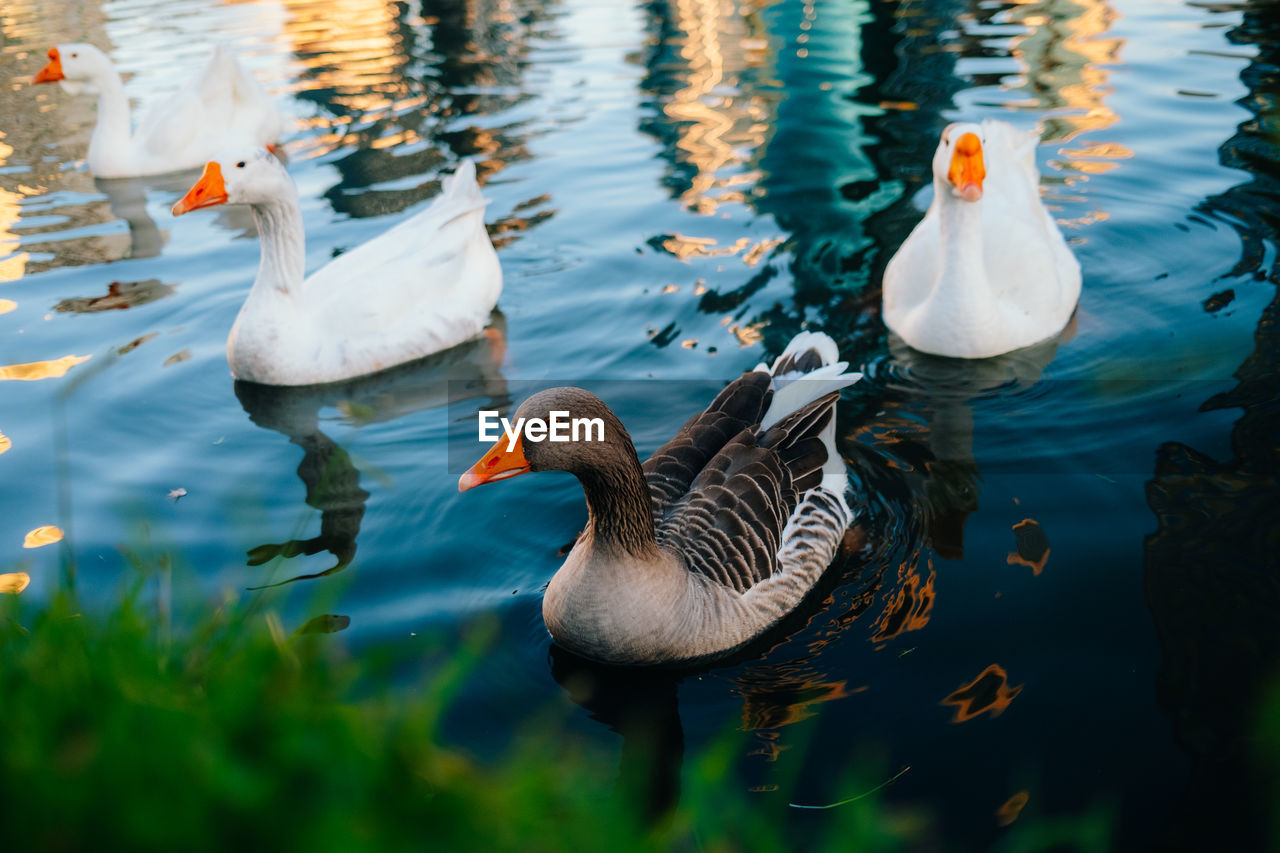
[(714, 538)]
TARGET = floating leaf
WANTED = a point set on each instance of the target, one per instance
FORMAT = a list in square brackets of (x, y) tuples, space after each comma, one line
[(177, 493), (42, 369), (178, 357), (42, 536), (5, 443), (14, 582), (326, 623)]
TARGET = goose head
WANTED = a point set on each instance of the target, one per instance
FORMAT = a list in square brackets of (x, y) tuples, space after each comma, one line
[(596, 444), (77, 67), (959, 162), (244, 175)]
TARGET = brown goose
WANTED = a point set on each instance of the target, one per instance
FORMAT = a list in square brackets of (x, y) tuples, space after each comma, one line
[(716, 536)]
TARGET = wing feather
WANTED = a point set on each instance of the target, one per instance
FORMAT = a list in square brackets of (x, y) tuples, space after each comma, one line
[(728, 526), (672, 468)]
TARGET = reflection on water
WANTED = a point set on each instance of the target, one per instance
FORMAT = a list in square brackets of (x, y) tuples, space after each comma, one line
[(910, 607), (641, 706), (41, 369), (988, 693), (41, 536), (1009, 811), (777, 695), (396, 91), (925, 431), (1032, 546), (1212, 568), (13, 583), (119, 296), (469, 370), (707, 68)]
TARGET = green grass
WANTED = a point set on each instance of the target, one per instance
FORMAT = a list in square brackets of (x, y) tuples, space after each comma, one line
[(122, 733)]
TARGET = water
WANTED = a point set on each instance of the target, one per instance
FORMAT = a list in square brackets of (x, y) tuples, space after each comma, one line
[(676, 189)]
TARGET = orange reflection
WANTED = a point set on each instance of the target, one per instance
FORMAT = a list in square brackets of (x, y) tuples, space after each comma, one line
[(12, 267), (14, 582), (42, 536), (788, 699), (685, 247), (5, 443), (1033, 546), (910, 608), (990, 691), (718, 127), (1009, 812), (351, 52), (1066, 52), (6, 305), (42, 369), (748, 335)]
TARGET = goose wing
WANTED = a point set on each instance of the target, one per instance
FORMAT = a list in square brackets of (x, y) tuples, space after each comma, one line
[(222, 105), (729, 525), (673, 467), (436, 268)]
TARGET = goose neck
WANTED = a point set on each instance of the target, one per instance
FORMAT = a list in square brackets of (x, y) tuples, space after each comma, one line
[(964, 284), (961, 223), (619, 514), (113, 132), (283, 245)]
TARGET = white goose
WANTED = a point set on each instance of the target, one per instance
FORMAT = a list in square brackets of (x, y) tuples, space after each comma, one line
[(426, 285), (986, 271), (223, 106)]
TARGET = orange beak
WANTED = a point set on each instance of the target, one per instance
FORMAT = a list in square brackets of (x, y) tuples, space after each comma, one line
[(208, 191), (967, 171), (52, 72), (498, 464)]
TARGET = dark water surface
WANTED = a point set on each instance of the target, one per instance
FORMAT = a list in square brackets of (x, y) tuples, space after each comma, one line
[(677, 188)]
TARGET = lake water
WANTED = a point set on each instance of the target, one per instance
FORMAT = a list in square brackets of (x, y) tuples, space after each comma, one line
[(676, 189)]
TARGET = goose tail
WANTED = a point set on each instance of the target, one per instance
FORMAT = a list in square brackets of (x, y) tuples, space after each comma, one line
[(459, 194), (809, 368)]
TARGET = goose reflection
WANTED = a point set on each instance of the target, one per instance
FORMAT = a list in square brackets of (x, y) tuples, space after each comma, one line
[(933, 408), (777, 689), (332, 480), (640, 705), (127, 198)]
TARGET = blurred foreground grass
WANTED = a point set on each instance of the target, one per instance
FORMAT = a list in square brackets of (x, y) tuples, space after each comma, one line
[(233, 733)]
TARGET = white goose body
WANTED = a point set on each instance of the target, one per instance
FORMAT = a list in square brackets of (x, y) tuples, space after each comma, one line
[(987, 270), (424, 286), (222, 106), (718, 535)]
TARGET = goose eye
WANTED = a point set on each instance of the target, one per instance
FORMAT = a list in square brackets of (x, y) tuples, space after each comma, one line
[(240, 165), (74, 55)]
